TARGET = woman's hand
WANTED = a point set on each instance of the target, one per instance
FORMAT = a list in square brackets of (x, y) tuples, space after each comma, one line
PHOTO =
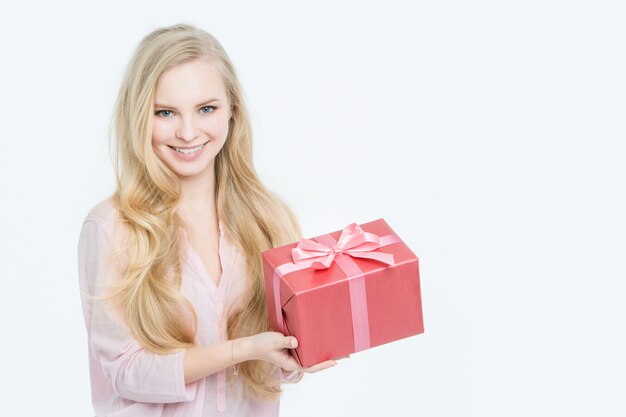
[(272, 347)]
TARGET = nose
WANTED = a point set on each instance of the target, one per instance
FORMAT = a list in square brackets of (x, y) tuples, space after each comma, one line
[(187, 130)]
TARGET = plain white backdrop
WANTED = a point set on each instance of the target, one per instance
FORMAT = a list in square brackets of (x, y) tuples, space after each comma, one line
[(489, 134)]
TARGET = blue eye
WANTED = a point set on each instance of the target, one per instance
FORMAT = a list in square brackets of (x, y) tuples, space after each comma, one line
[(160, 112), (208, 107)]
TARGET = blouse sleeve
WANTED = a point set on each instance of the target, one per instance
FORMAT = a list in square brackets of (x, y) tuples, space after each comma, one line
[(134, 372)]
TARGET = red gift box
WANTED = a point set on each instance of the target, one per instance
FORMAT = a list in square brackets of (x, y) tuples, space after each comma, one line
[(343, 292)]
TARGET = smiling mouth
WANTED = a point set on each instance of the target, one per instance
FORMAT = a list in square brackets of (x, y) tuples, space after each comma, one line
[(189, 151)]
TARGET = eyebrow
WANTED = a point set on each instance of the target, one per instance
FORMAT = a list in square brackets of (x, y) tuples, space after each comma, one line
[(211, 100)]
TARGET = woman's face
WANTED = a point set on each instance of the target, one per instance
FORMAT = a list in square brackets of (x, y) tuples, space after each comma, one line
[(191, 114)]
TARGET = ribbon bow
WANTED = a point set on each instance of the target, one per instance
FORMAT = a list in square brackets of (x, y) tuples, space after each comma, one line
[(353, 241)]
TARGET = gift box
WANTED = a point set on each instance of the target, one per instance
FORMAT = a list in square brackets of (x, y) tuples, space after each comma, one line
[(343, 292)]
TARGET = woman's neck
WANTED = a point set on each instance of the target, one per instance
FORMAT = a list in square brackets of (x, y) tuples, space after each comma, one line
[(198, 194)]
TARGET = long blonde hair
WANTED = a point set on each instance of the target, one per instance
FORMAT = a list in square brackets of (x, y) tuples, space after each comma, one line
[(147, 191)]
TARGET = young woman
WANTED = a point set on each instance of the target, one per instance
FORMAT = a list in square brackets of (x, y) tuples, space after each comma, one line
[(170, 269)]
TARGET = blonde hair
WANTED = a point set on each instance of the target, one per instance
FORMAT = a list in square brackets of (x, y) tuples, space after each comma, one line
[(147, 191)]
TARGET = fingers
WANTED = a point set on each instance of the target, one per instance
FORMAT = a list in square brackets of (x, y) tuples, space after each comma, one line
[(289, 342), (320, 366), (290, 364)]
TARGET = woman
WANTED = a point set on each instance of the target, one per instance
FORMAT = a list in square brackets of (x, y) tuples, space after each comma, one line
[(169, 265)]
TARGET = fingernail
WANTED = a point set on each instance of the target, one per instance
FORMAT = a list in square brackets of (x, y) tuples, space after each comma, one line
[(294, 343)]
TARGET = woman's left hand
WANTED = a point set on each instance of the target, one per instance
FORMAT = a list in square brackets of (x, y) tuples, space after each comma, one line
[(311, 369)]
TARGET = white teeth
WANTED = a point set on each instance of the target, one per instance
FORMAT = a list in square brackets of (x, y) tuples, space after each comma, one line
[(190, 151)]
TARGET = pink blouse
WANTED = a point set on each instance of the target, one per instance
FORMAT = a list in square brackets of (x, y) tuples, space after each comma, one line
[(128, 380)]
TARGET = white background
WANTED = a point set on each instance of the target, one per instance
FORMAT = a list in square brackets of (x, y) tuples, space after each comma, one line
[(489, 135)]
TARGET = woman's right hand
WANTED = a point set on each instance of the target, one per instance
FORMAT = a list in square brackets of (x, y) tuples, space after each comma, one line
[(273, 347)]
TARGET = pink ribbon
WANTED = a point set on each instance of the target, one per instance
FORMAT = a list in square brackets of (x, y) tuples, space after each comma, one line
[(353, 242)]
